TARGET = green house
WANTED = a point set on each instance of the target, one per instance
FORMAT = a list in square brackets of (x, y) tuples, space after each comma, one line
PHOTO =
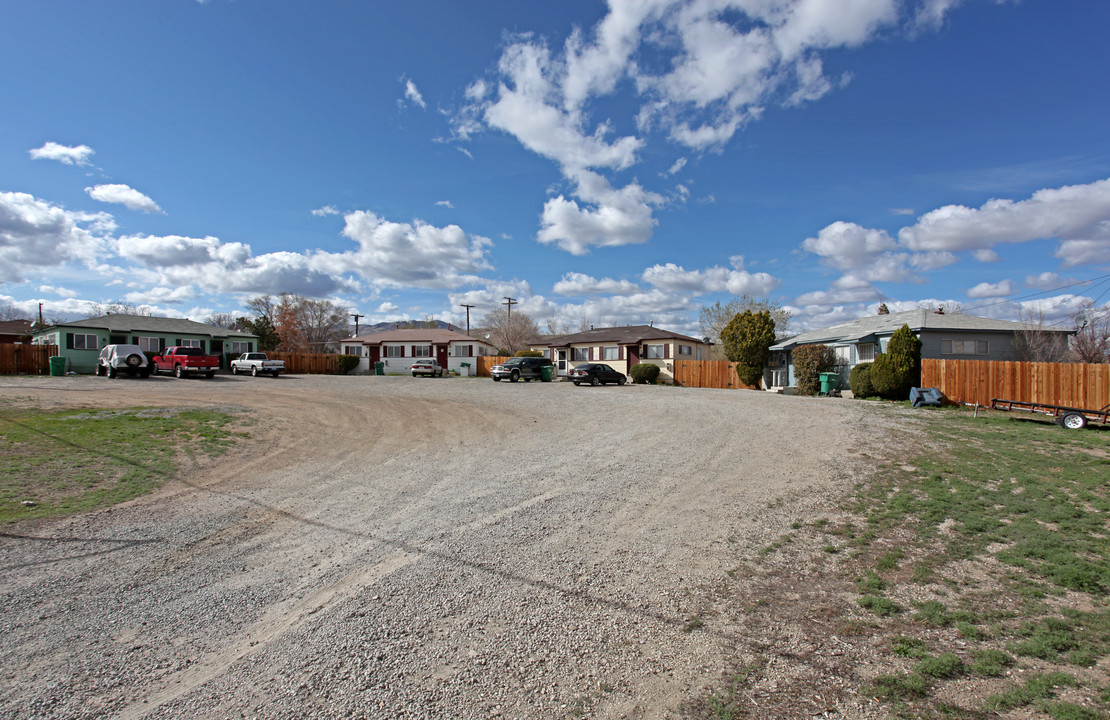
[(80, 341)]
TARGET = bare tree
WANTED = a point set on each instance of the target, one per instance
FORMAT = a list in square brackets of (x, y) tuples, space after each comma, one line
[(119, 307), (1037, 342), (716, 317), (11, 312), (263, 306), (513, 335), (1091, 343), (222, 320), (321, 322)]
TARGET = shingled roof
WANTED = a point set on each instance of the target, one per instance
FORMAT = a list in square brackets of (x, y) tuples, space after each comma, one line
[(126, 324), (627, 335)]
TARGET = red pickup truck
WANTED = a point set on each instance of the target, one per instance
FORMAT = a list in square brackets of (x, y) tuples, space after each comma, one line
[(183, 361)]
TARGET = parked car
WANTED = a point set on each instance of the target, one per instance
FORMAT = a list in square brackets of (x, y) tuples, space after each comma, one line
[(528, 368), (115, 359), (182, 361), (256, 363), (427, 366), (596, 374)]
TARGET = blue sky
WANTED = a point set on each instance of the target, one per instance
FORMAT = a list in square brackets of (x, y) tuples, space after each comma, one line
[(607, 164)]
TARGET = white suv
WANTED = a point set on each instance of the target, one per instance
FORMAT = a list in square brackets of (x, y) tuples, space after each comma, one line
[(115, 359)]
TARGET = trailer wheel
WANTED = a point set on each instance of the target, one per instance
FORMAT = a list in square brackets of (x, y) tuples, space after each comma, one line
[(1073, 421)]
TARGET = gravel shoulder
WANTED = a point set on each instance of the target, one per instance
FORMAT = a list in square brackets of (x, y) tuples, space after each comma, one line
[(394, 547)]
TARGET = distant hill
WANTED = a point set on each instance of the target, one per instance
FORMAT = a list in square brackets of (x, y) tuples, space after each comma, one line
[(364, 329)]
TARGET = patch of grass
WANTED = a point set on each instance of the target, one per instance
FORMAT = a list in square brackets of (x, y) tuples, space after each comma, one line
[(1045, 640), (932, 612), (871, 584), (725, 704), (969, 631), (909, 647), (879, 605), (1071, 711), (889, 560), (899, 686), (945, 665), (693, 623), (990, 662), (1037, 687), (55, 463)]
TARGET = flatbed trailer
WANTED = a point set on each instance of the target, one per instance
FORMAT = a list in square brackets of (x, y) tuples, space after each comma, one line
[(1068, 417)]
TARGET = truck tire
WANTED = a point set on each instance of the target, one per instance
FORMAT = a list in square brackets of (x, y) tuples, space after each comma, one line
[(112, 372), (234, 369), (275, 373), (254, 371), (178, 372), (210, 374)]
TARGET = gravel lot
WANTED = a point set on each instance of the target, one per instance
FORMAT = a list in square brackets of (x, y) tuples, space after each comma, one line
[(393, 547)]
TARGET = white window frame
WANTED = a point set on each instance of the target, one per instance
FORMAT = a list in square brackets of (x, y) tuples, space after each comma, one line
[(189, 343), (865, 352), (654, 352), (239, 346), (610, 352), (685, 350), (393, 351), (149, 344), (422, 351), (84, 341), (843, 354), (580, 354)]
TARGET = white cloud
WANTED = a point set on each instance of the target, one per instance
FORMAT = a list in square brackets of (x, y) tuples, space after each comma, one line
[(847, 245), (386, 308), (445, 203), (992, 290), (580, 284), (35, 233), (326, 211), (412, 94), (1047, 281), (176, 251), (619, 217), (75, 155), (986, 256), (931, 13), (736, 281), (416, 254), (1078, 215), (162, 295), (678, 165), (901, 211), (124, 195), (59, 291)]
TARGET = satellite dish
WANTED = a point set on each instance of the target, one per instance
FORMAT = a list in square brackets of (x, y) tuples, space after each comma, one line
[(487, 336)]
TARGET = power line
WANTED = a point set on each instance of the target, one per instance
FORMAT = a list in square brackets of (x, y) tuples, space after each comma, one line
[(1101, 279)]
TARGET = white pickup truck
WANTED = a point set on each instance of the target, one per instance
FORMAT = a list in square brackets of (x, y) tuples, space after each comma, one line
[(256, 363)]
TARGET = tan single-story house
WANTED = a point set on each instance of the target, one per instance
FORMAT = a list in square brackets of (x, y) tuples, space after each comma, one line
[(399, 348), (622, 347)]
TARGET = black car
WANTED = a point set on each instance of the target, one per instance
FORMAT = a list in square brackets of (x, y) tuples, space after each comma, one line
[(523, 368), (596, 374)]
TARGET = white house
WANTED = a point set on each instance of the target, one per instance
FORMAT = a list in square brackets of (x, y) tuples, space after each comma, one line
[(399, 348)]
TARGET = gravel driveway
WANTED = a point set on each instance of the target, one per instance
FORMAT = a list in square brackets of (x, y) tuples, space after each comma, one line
[(393, 547)]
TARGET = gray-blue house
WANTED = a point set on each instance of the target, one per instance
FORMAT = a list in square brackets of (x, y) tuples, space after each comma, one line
[(943, 336)]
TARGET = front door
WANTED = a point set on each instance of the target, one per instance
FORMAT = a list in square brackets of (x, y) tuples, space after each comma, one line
[(633, 354), (441, 355), (561, 363)]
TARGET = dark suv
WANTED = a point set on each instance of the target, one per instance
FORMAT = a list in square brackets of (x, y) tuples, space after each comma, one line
[(528, 368)]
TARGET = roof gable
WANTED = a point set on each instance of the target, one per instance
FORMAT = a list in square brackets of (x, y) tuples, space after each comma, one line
[(626, 335), (424, 336)]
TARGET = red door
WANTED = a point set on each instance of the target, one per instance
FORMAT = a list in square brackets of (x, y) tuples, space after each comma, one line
[(441, 355)]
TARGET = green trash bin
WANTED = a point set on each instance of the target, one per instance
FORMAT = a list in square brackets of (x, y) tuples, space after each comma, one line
[(379, 368), (546, 373), (829, 381), (57, 366)]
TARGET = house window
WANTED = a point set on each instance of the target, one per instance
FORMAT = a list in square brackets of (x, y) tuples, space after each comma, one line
[(189, 343), (610, 353), (461, 350), (421, 351), (394, 351), (866, 352), (843, 354), (964, 347), (685, 350), (239, 347), (84, 342), (149, 344), (581, 354), (355, 350), (654, 351)]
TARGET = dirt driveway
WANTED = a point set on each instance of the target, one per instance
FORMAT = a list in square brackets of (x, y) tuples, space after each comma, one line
[(417, 548)]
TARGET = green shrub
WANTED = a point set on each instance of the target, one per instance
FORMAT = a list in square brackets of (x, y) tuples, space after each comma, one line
[(749, 375), (879, 605), (809, 362), (945, 665), (898, 369), (859, 380), (644, 373), (347, 363), (990, 662), (529, 353), (746, 341)]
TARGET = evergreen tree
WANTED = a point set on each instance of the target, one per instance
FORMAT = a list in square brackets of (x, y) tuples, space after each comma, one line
[(898, 369), (746, 341)]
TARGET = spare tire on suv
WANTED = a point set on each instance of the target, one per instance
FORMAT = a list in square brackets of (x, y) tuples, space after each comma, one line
[(115, 359)]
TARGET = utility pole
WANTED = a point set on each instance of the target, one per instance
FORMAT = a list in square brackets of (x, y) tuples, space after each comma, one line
[(356, 316), (467, 317), (509, 322)]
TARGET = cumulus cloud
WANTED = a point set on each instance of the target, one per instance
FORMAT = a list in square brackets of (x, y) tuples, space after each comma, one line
[(677, 166), (1046, 281), (580, 284), (736, 281), (123, 195), (445, 203), (611, 217), (986, 256), (67, 155), (847, 245), (992, 290), (1077, 215), (326, 211), (59, 291), (416, 254), (36, 233)]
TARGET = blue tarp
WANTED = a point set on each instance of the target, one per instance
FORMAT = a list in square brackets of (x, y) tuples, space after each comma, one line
[(926, 396)]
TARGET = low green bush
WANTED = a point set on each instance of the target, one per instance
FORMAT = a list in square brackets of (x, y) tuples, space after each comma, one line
[(644, 373), (529, 353), (859, 381), (809, 362), (347, 363)]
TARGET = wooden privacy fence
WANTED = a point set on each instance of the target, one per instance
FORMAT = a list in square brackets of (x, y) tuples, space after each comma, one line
[(485, 362), (26, 359), (708, 374), (979, 381), (307, 363)]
